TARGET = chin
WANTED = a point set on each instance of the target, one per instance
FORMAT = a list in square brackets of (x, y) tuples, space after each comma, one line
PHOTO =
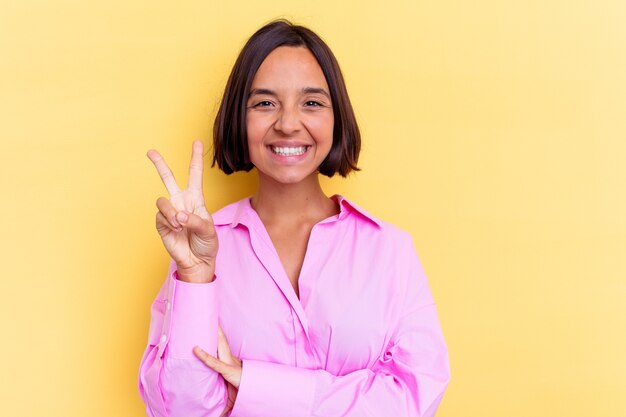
[(291, 177)]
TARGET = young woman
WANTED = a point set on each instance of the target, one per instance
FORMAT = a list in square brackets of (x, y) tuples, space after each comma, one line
[(289, 302)]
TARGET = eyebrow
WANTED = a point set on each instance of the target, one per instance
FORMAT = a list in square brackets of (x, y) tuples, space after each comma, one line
[(306, 90), (315, 90), (261, 92)]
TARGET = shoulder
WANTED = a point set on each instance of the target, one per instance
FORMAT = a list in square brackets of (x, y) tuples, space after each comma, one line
[(383, 228), (399, 240)]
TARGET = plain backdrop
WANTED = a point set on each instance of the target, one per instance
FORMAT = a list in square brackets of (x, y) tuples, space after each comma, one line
[(493, 131)]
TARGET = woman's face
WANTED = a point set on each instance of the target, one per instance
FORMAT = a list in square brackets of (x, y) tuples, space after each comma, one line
[(289, 116)]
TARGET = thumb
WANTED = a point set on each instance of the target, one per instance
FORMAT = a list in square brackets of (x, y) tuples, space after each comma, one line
[(202, 228)]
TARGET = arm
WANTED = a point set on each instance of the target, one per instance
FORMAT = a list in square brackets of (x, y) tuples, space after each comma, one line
[(172, 381), (408, 379)]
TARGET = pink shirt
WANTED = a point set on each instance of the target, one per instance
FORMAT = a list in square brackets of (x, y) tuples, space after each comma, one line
[(363, 339)]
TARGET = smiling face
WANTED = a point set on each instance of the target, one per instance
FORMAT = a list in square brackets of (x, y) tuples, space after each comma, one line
[(289, 116)]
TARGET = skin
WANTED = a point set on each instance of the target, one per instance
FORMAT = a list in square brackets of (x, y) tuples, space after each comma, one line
[(290, 106)]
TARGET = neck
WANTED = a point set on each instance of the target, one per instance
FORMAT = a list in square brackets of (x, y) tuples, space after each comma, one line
[(304, 201)]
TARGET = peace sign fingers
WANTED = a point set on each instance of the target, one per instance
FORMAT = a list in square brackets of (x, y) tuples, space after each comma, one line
[(164, 172), (183, 222), (195, 167)]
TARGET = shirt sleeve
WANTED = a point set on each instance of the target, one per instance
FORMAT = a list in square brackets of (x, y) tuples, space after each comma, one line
[(172, 380), (407, 380)]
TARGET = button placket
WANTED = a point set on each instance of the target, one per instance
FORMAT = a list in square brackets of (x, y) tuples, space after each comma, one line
[(300, 341)]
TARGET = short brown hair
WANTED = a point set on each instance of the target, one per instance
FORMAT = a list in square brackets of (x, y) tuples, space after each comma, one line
[(230, 142)]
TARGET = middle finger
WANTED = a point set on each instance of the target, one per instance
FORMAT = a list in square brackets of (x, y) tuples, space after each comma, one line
[(195, 167)]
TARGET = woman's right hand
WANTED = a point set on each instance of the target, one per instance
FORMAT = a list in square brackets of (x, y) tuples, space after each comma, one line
[(183, 222)]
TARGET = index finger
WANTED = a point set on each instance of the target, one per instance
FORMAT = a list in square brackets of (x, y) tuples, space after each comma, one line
[(164, 172), (195, 167)]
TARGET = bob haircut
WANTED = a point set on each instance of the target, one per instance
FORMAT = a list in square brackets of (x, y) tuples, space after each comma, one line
[(230, 141)]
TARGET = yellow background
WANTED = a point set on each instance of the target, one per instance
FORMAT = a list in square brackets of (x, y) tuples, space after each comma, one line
[(494, 131)]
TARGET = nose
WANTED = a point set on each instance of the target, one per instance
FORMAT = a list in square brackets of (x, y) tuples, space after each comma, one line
[(288, 121)]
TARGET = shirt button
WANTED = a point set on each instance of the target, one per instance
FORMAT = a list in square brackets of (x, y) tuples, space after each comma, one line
[(163, 337), (167, 305)]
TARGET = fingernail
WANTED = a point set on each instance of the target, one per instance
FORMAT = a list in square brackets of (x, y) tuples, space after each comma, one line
[(182, 217), (175, 222)]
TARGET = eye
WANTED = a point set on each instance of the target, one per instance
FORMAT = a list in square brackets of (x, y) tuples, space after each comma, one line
[(312, 103), (264, 103)]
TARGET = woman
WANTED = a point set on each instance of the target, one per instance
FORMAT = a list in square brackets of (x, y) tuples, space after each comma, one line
[(311, 306)]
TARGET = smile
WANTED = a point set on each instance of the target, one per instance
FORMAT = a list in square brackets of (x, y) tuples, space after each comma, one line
[(289, 151)]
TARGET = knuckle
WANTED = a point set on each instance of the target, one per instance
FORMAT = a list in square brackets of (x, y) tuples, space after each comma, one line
[(161, 220), (214, 362), (160, 201)]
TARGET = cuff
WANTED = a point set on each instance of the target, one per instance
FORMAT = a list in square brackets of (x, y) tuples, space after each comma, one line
[(194, 318), (279, 390)]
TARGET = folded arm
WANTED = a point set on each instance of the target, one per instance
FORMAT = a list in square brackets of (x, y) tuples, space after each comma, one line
[(172, 380)]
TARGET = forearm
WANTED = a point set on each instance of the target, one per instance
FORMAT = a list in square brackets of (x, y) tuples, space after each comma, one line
[(284, 391), (172, 381)]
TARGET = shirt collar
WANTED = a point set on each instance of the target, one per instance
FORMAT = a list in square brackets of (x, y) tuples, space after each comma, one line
[(346, 207), (236, 213)]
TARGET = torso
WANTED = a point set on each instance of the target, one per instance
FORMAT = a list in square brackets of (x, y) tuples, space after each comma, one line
[(352, 286)]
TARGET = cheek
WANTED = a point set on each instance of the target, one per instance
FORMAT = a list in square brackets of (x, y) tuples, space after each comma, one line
[(256, 128), (321, 128)]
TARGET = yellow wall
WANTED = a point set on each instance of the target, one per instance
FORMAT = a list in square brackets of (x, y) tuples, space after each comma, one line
[(494, 131)]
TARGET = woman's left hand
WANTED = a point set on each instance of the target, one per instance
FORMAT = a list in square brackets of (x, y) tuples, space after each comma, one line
[(226, 364)]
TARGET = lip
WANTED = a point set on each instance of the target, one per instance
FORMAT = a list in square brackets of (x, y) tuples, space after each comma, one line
[(288, 143)]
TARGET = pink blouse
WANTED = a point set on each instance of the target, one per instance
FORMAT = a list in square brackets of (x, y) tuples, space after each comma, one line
[(363, 339)]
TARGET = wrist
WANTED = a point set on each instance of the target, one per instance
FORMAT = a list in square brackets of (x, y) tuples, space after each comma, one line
[(197, 275)]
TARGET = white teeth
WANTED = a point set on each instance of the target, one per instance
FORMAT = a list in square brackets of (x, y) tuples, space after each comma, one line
[(285, 151)]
